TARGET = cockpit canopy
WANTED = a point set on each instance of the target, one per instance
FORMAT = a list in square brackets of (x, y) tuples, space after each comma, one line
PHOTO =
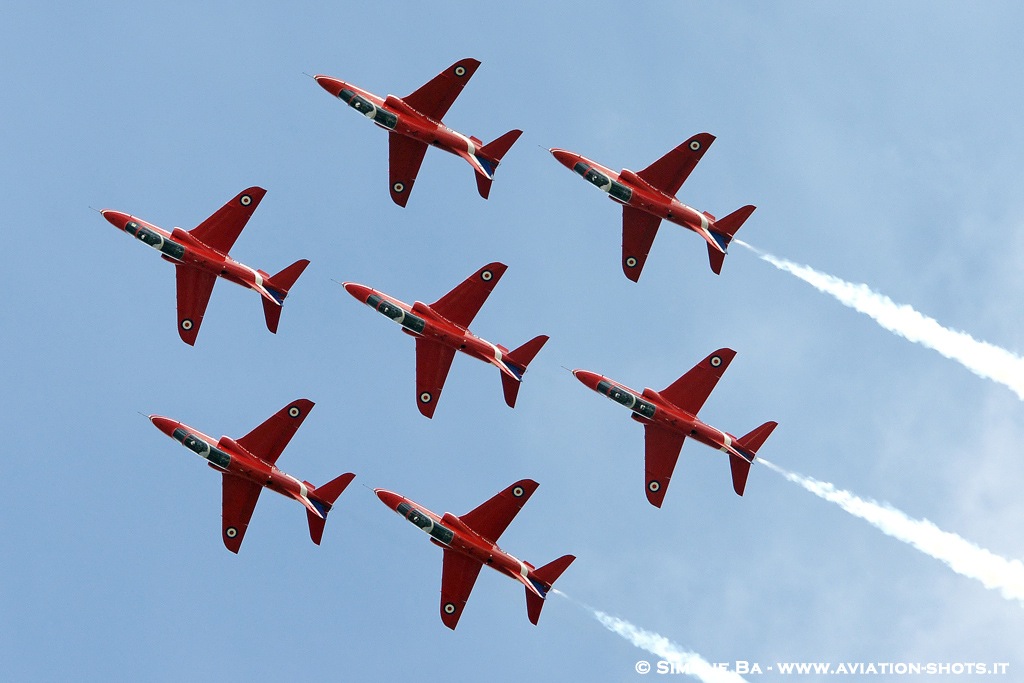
[(604, 183), (367, 109), (620, 395), (424, 521)]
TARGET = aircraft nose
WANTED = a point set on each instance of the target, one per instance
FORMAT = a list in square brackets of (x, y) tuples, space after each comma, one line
[(360, 292), (164, 424), (388, 498), (115, 218), (589, 379), (331, 85), (567, 159)]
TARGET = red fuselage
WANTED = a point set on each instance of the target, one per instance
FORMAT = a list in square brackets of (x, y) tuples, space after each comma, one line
[(449, 532), (649, 407), (226, 455), (179, 247), (630, 189), (420, 320)]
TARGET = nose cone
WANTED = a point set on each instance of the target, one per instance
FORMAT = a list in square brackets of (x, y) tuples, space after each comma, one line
[(360, 292), (116, 218), (165, 424), (388, 498), (566, 158), (331, 85), (589, 379)]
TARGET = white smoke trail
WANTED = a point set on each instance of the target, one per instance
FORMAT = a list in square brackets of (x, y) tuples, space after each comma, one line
[(681, 661), (983, 359), (962, 556)]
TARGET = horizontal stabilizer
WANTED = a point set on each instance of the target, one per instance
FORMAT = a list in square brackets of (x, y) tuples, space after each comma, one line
[(278, 286), (543, 578), (323, 498), (748, 446), (490, 156), (516, 361), (723, 230)]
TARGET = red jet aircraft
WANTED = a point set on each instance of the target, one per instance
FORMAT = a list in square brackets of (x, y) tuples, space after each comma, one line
[(248, 467), (648, 197), (414, 123), (440, 330), (469, 542), (201, 256), (670, 415)]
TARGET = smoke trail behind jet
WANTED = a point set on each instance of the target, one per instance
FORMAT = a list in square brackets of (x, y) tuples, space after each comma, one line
[(983, 359), (681, 660), (962, 556)]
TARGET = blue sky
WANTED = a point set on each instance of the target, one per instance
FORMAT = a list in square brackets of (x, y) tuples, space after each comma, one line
[(880, 144)]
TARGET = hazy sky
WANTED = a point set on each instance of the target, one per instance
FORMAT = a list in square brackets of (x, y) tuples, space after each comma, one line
[(881, 145)]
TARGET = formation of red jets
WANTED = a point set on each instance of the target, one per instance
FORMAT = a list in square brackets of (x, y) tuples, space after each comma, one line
[(440, 329)]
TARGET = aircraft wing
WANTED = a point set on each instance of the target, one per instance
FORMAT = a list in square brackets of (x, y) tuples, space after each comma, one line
[(661, 451), (463, 303), (433, 360), (239, 500), (270, 438), (220, 230), (491, 518), (405, 156), (436, 97), (194, 289), (458, 576), (670, 171), (690, 391), (639, 229)]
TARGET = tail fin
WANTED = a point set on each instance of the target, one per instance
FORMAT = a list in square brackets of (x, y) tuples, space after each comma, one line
[(323, 498), (542, 580), (748, 445), (278, 286), (490, 156), (517, 361), (724, 229)]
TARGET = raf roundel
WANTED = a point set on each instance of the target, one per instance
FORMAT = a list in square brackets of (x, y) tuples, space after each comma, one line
[(716, 361), (486, 276), (231, 532), (186, 324), (518, 492), (695, 145), (631, 262), (460, 71), (449, 608), (294, 411), (654, 487), (245, 200), (398, 187), (425, 397)]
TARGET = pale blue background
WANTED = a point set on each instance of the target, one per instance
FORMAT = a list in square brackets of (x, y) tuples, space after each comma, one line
[(880, 144)]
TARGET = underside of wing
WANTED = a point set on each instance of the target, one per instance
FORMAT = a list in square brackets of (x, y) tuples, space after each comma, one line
[(405, 156), (661, 451), (220, 230), (463, 303), (690, 391), (491, 518), (458, 576), (670, 171), (194, 289), (239, 500), (437, 95), (433, 360), (639, 229), (268, 440)]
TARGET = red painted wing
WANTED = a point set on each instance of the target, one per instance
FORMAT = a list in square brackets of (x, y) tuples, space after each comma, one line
[(239, 500), (661, 451), (670, 171), (639, 229), (220, 230), (194, 289), (433, 360), (690, 391), (463, 303), (436, 97), (270, 438), (491, 518), (458, 575), (404, 158)]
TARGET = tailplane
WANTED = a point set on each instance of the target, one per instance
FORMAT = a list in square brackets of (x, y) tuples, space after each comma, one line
[(748, 446), (723, 230), (516, 361), (323, 498), (278, 286), (542, 579), (490, 156)]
